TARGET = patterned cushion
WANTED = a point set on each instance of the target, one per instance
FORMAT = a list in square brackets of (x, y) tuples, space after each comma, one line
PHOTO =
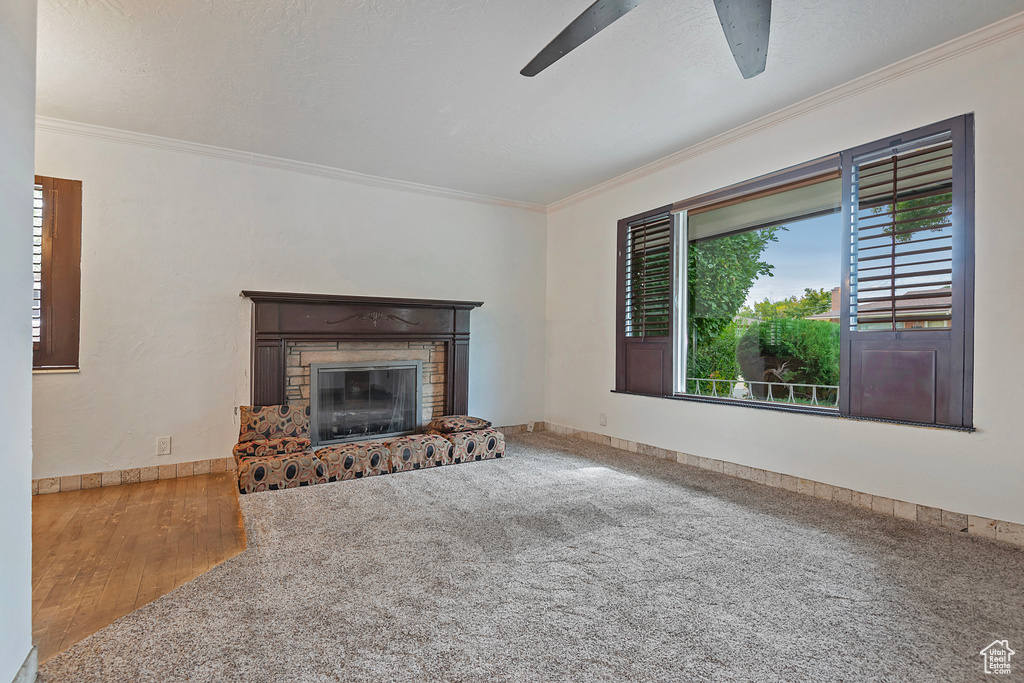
[(263, 447), (449, 424), (418, 451), (273, 422), (481, 444), (280, 472), (355, 460)]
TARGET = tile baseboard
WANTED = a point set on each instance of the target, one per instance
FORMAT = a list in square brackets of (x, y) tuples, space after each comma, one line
[(516, 429), (994, 529), (134, 475), (96, 480), (27, 672)]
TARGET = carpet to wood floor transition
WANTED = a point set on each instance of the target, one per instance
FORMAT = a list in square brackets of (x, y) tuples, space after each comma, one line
[(99, 554), (570, 561)]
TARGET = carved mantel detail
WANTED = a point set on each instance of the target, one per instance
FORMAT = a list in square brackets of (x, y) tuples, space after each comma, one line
[(373, 316), (281, 317)]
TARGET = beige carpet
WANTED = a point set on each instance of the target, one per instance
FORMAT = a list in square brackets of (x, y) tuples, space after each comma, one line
[(567, 561)]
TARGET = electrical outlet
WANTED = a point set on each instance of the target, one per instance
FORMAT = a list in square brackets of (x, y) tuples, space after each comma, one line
[(604, 420), (163, 445), (529, 426)]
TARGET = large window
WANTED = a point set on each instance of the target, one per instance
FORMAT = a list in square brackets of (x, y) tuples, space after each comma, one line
[(755, 304), (56, 265), (842, 285)]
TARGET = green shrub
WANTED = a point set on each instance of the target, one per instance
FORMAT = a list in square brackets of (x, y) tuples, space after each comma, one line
[(800, 351), (715, 357)]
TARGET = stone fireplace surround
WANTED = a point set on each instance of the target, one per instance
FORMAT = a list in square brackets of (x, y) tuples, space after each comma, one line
[(290, 331)]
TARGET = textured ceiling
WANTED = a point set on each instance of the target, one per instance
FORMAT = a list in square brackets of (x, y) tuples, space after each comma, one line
[(429, 91)]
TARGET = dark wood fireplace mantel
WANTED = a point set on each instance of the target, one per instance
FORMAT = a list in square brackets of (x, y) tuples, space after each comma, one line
[(282, 317)]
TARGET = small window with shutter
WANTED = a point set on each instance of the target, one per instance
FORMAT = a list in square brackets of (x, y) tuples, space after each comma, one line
[(645, 325), (56, 266)]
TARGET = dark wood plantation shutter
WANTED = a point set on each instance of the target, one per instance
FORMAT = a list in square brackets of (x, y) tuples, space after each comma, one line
[(645, 303), (908, 276), (57, 294)]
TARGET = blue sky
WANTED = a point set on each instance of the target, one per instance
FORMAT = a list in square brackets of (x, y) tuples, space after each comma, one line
[(806, 255)]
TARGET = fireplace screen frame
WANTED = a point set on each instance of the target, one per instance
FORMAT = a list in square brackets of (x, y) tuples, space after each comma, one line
[(314, 419)]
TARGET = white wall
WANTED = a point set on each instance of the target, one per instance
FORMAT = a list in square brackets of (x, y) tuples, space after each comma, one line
[(981, 473), (17, 92), (171, 237)]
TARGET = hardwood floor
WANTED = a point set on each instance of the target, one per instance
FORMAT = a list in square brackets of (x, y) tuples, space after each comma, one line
[(99, 554)]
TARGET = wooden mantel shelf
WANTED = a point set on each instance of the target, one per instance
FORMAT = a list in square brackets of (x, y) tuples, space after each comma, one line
[(282, 317), (295, 297)]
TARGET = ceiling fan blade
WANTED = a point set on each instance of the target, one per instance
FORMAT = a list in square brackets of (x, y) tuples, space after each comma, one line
[(746, 23), (585, 26)]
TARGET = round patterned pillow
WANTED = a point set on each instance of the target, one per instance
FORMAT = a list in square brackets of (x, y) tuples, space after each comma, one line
[(450, 424)]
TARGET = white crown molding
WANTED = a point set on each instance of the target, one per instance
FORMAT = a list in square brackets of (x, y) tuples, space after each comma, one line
[(87, 130), (957, 47), (975, 40)]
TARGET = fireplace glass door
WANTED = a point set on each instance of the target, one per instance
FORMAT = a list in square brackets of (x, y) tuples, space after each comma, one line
[(351, 402)]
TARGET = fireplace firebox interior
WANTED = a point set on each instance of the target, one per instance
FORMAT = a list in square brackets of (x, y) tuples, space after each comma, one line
[(355, 401)]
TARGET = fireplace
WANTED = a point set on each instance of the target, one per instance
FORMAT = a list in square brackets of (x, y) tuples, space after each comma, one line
[(292, 331), (354, 401)]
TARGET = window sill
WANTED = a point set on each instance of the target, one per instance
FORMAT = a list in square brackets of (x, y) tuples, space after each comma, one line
[(804, 410), (55, 371)]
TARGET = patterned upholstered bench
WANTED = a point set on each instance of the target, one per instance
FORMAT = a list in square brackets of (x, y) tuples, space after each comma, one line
[(273, 449), (400, 454), (471, 437), (355, 460), (479, 444), (282, 471), (266, 429), (419, 451)]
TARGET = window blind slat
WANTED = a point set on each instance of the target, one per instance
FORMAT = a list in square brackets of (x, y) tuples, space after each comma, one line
[(902, 202), (648, 277), (37, 260)]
